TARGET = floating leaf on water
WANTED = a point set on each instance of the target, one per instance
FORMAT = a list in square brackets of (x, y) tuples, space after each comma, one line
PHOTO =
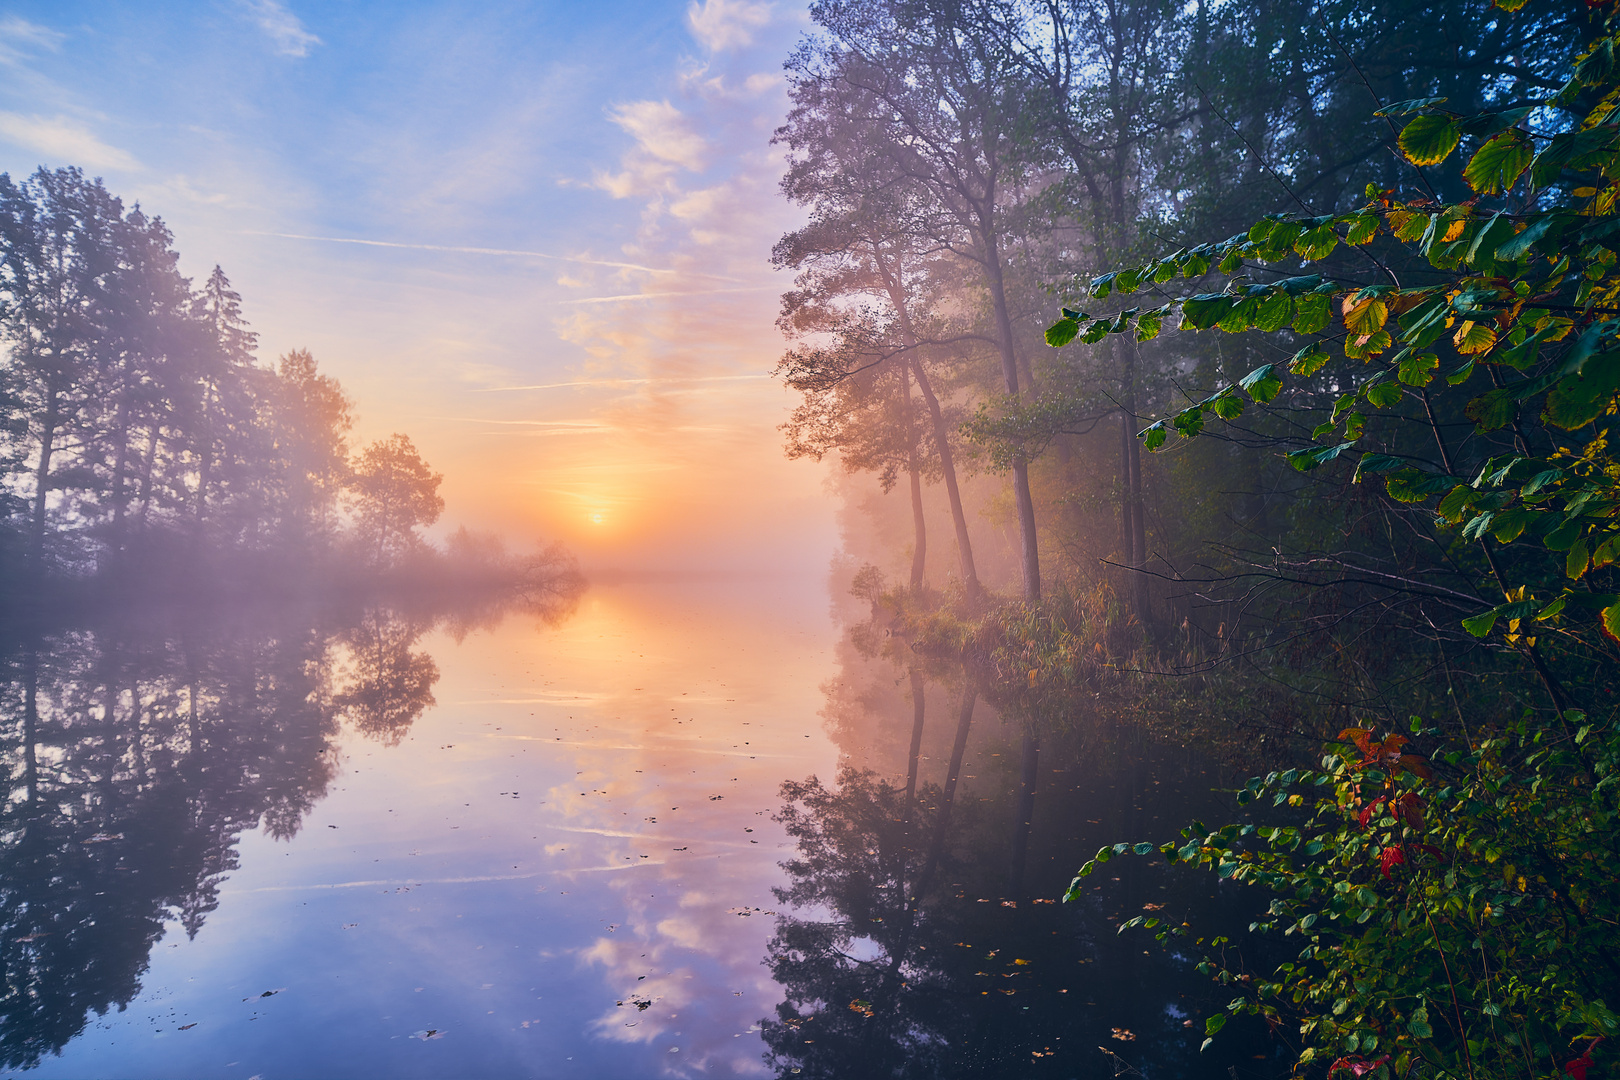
[(1123, 1034), (430, 1033), (188, 1027)]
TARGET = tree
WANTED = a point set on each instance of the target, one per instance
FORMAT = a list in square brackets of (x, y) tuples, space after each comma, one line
[(1418, 940), (395, 494), (945, 110)]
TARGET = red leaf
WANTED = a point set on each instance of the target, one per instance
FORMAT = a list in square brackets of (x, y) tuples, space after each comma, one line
[(1578, 1067), (1391, 858), (1362, 737)]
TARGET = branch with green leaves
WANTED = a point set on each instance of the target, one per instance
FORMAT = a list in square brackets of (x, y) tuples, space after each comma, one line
[(1518, 283)]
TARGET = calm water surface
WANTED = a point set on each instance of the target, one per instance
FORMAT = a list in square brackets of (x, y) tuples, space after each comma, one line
[(374, 843)]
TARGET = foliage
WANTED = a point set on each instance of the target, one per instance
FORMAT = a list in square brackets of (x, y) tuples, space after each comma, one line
[(1456, 920), (1461, 923)]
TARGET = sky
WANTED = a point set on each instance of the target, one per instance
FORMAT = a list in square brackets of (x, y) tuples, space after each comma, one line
[(534, 237)]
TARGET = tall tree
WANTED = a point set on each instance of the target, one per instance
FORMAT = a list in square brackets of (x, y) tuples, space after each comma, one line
[(945, 108)]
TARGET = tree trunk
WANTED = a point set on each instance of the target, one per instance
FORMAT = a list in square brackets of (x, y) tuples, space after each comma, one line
[(1029, 551), (1132, 520), (919, 525), (893, 284), (947, 467), (42, 479)]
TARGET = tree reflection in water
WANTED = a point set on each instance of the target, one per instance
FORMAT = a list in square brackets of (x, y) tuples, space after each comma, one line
[(137, 751), (920, 936)]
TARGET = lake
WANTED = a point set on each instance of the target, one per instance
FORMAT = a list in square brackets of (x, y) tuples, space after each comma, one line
[(304, 841)]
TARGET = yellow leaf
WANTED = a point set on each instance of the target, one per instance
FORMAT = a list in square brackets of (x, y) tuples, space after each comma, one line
[(1367, 317), (1472, 337), (1454, 230)]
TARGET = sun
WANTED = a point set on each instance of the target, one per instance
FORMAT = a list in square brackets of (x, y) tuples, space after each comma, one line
[(597, 519)]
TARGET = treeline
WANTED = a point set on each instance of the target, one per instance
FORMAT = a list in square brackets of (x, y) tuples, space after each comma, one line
[(968, 165), (1292, 329), (140, 437)]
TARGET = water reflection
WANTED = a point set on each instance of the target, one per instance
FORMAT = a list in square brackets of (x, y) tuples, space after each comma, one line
[(565, 852), (920, 934), (140, 749)]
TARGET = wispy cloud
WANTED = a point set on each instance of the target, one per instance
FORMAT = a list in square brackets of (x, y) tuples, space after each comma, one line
[(726, 24), (464, 250), (18, 35), (282, 27), (662, 131), (612, 382), (623, 297), (65, 141)]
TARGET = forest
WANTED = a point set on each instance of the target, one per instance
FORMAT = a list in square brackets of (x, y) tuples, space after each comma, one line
[(1263, 357), (202, 587), (145, 448)]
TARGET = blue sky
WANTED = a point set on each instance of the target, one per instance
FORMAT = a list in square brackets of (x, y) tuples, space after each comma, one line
[(448, 201)]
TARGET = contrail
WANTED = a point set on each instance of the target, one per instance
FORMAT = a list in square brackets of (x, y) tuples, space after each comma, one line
[(667, 295), (473, 251), (615, 382)]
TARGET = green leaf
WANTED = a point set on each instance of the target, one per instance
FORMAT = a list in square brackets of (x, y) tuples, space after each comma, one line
[(1429, 140), (1154, 435), (1143, 849), (1402, 108), (1313, 456), (1316, 243), (1417, 369), (1519, 246), (1576, 400), (1363, 227), (1312, 313), (1205, 310), (1102, 285), (1227, 406), (1609, 621), (1492, 411), (1496, 165), (1420, 1029), (1275, 311), (1261, 384), (1241, 317), (1480, 625), (1213, 1025), (1496, 232), (1061, 333), (1578, 560), (1147, 327), (1383, 395)]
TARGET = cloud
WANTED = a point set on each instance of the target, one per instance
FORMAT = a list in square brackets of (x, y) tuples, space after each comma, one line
[(282, 26), (726, 24), (662, 131), (18, 34), (65, 141)]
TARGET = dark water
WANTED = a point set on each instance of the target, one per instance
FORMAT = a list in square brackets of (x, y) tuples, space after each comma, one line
[(377, 841)]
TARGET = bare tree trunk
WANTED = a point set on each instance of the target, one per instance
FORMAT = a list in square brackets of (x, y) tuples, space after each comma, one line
[(1132, 520), (947, 466), (919, 524), (895, 287), (1029, 551)]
